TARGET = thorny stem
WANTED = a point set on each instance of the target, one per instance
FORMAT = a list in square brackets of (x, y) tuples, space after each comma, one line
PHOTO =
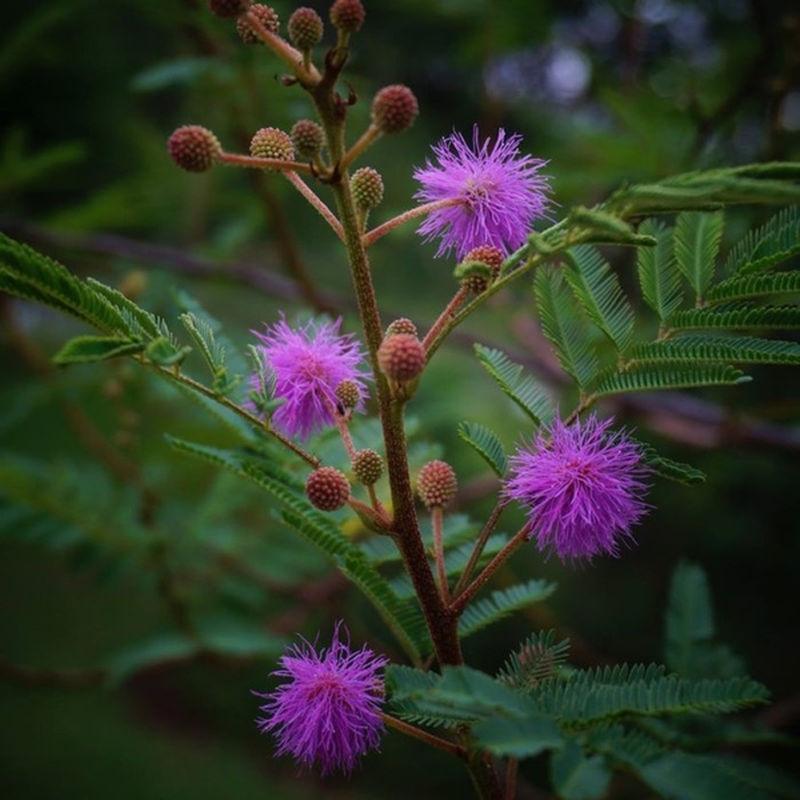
[(278, 164), (424, 736), (446, 315), (438, 550), (477, 551), (413, 213), (315, 202), (461, 601)]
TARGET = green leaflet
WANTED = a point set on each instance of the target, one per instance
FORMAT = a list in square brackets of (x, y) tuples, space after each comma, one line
[(669, 469), (688, 350), (561, 324), (771, 244), (518, 738), (659, 277), (501, 603), (597, 289), (697, 238), (737, 316), (745, 287), (648, 380), (86, 349), (539, 657), (486, 444), (576, 776)]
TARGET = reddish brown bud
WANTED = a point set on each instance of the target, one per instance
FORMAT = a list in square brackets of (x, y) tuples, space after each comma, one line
[(194, 148), (436, 484), (485, 254), (327, 488), (272, 143), (348, 394), (401, 357), (305, 28), (347, 15), (401, 325), (267, 16), (228, 8), (394, 108), (308, 138), (367, 186), (367, 466)]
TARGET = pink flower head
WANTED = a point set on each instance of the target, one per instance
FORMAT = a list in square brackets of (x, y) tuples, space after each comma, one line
[(583, 488), (307, 364), (499, 193), (329, 709)]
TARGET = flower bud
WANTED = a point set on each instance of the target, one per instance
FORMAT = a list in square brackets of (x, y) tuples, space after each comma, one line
[(308, 138), (194, 148), (267, 16), (436, 484), (394, 108), (367, 186), (305, 28), (367, 466), (272, 143), (347, 15), (401, 357), (327, 488), (401, 325), (485, 254), (228, 8), (348, 395)]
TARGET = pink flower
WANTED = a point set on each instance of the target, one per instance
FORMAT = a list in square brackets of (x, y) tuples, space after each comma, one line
[(583, 488), (307, 364), (499, 193), (329, 709)]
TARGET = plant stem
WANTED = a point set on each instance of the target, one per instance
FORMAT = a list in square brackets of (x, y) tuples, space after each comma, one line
[(490, 525), (461, 601), (424, 736), (315, 201), (255, 162), (446, 315), (414, 213), (370, 135), (438, 550), (511, 778), (293, 59)]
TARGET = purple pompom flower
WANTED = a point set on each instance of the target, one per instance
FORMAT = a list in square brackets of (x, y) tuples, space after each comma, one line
[(329, 709), (583, 487), (307, 364), (500, 193)]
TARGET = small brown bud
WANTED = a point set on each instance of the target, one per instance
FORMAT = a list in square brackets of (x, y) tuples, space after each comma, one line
[(194, 148), (485, 254), (327, 488), (367, 466), (348, 394), (401, 357), (402, 325), (267, 16), (347, 15), (308, 138), (436, 484), (272, 143), (228, 8), (305, 28), (394, 108), (367, 186)]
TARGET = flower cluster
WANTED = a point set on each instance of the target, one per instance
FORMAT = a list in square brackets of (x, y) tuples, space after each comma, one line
[(308, 364), (583, 487), (328, 710), (497, 193)]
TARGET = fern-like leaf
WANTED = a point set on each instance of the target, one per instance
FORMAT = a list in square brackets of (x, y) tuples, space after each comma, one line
[(523, 390), (539, 657), (598, 291), (697, 239), (486, 444), (649, 380), (744, 287), (659, 277), (561, 325), (688, 350), (737, 316), (87, 349), (669, 469), (501, 603), (771, 244)]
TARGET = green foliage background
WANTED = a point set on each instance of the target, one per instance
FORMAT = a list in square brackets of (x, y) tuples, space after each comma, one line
[(90, 93)]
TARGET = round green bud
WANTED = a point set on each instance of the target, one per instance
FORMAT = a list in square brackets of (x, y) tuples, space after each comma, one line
[(367, 186)]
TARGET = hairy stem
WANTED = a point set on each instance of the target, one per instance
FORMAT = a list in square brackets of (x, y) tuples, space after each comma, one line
[(315, 202), (477, 551), (446, 315), (424, 736), (438, 549), (414, 213)]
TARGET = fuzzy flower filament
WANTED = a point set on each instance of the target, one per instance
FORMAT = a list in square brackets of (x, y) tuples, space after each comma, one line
[(328, 711), (307, 364), (498, 193), (583, 487)]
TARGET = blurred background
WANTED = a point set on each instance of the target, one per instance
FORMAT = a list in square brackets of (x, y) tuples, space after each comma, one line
[(111, 543)]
